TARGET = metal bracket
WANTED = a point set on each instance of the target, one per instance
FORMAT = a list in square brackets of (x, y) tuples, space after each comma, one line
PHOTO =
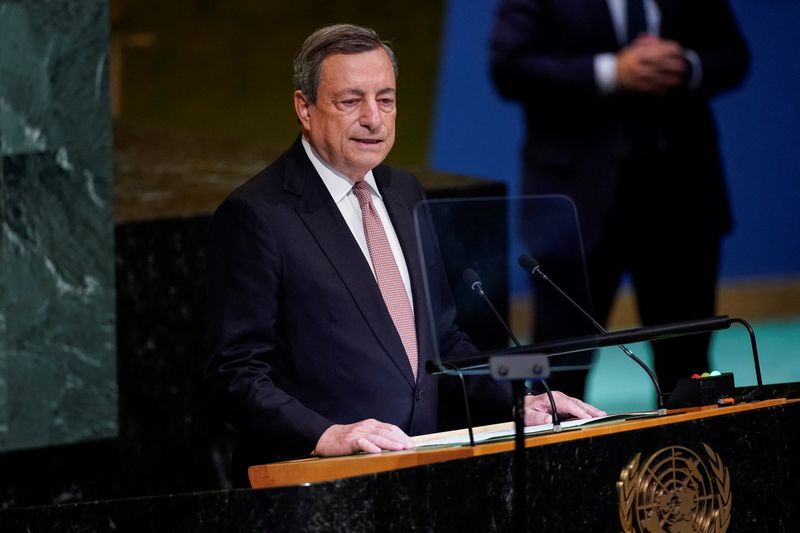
[(519, 366)]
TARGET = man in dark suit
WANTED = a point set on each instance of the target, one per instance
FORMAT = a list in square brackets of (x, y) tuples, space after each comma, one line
[(318, 327), (616, 105)]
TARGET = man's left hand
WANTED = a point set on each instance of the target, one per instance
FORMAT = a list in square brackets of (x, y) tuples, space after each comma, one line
[(538, 409)]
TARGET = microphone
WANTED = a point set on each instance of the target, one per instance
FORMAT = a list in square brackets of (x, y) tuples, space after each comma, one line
[(473, 280), (532, 266)]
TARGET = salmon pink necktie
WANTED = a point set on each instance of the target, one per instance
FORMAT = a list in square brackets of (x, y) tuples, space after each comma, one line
[(388, 275)]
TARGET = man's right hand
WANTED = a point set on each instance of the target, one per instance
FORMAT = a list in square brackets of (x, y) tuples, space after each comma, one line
[(651, 64), (368, 436)]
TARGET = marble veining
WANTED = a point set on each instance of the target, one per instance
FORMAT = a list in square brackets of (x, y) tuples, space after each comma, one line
[(57, 348)]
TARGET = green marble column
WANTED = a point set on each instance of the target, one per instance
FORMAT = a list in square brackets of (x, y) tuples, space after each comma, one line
[(57, 332)]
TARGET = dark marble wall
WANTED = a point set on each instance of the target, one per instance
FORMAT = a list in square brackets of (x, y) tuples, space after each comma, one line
[(168, 439), (57, 339)]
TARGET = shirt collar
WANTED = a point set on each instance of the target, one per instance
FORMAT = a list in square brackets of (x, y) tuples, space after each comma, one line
[(338, 184)]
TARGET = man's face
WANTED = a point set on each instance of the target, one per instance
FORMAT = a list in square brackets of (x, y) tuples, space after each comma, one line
[(351, 125)]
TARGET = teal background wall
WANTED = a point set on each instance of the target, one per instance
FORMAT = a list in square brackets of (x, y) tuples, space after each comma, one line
[(57, 338)]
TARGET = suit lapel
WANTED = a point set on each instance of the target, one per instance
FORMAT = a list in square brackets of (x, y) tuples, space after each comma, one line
[(600, 12), (324, 221)]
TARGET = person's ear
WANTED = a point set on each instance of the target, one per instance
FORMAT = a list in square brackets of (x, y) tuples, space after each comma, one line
[(302, 107)]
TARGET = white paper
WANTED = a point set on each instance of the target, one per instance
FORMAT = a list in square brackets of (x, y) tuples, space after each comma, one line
[(462, 437)]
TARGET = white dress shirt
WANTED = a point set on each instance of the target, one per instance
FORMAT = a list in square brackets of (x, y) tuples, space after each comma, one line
[(340, 188)]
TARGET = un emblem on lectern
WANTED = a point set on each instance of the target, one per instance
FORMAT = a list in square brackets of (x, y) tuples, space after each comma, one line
[(675, 490)]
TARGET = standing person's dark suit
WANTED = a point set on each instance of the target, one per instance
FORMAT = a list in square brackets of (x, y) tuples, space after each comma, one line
[(618, 118), (311, 349)]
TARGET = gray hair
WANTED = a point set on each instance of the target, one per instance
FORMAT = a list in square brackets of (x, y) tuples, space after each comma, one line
[(328, 40)]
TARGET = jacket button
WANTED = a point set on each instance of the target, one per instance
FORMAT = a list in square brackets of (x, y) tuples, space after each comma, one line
[(417, 394)]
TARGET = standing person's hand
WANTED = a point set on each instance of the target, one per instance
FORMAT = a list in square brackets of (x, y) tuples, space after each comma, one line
[(651, 65)]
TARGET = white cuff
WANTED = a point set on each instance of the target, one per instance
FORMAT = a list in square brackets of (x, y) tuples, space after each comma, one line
[(605, 73)]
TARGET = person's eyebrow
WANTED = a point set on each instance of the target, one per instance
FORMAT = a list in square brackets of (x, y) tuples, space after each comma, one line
[(349, 92), (361, 92)]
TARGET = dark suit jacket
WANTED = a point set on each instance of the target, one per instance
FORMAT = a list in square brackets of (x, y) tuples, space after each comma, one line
[(542, 56), (300, 336)]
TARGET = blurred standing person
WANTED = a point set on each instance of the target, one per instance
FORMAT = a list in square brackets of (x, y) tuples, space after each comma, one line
[(616, 98)]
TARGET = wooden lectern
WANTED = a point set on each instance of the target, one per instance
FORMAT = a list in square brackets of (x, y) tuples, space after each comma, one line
[(710, 469), (723, 469)]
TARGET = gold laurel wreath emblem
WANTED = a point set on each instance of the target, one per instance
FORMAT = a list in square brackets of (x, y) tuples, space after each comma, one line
[(722, 516), (632, 479), (626, 487)]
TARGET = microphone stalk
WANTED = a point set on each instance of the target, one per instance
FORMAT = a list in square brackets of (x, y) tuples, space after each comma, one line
[(474, 282), (532, 266)]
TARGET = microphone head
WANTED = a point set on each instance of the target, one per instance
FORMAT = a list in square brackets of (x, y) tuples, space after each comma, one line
[(471, 278), (528, 263)]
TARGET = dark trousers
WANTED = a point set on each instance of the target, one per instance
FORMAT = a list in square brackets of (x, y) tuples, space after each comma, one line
[(673, 268), (674, 279)]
